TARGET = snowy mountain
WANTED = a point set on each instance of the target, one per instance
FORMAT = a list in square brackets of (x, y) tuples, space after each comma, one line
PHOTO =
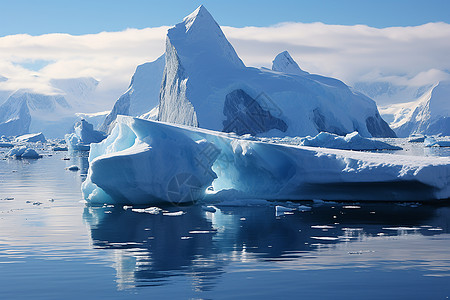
[(430, 114), (142, 94), (206, 84), (386, 93), (25, 111)]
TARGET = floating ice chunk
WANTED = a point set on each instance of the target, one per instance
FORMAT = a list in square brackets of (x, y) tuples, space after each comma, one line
[(60, 148), (417, 138), (73, 168), (325, 238), (23, 152), (31, 138), (282, 210), (83, 136), (174, 213), (322, 227), (352, 141), (148, 210), (432, 142), (210, 209), (303, 208)]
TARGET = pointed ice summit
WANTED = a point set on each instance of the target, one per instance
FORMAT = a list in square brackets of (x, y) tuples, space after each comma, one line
[(201, 81), (283, 62)]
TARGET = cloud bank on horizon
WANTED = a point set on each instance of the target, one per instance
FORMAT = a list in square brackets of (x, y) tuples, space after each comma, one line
[(413, 56)]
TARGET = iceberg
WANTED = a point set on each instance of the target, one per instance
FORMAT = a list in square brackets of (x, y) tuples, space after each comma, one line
[(23, 152), (147, 162), (83, 136), (432, 142), (205, 84), (31, 138)]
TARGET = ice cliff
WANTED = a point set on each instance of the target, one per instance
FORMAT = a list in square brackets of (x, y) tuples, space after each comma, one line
[(146, 162)]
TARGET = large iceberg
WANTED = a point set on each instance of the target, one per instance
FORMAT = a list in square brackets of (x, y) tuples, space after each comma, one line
[(31, 138), (145, 162), (205, 84)]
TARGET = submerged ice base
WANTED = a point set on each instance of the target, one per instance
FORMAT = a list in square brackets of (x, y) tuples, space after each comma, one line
[(144, 162)]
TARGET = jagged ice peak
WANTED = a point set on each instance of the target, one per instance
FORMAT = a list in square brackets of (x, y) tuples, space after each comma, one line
[(284, 62)]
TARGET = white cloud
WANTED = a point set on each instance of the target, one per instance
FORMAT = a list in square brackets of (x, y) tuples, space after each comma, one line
[(417, 55)]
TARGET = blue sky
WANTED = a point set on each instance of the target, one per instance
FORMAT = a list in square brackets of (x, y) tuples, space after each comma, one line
[(93, 16)]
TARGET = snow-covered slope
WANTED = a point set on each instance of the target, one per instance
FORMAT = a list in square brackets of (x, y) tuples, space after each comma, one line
[(142, 94), (25, 111), (206, 84), (145, 162), (430, 114)]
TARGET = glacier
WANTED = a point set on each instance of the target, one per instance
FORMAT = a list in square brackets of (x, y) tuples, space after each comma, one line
[(145, 162), (203, 75)]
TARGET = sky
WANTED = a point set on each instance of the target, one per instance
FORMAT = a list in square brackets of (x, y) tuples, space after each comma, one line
[(404, 42), (87, 16)]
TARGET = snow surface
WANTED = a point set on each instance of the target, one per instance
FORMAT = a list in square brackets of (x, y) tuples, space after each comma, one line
[(202, 71), (83, 136), (23, 152), (145, 162), (429, 115), (31, 138)]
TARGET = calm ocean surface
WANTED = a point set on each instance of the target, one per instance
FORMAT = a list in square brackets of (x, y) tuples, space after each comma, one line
[(53, 246)]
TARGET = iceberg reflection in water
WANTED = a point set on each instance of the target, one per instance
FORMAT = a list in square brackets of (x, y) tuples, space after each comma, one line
[(207, 247)]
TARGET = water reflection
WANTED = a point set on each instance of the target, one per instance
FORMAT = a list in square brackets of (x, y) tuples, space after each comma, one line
[(150, 249)]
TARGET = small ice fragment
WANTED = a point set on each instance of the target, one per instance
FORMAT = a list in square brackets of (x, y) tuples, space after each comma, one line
[(435, 229), (325, 238), (174, 213), (201, 231), (303, 208), (400, 228), (210, 209), (322, 227), (186, 237), (73, 168), (148, 210), (351, 206), (282, 210), (242, 219)]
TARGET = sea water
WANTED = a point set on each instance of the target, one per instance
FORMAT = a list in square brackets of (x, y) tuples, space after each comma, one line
[(54, 246)]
